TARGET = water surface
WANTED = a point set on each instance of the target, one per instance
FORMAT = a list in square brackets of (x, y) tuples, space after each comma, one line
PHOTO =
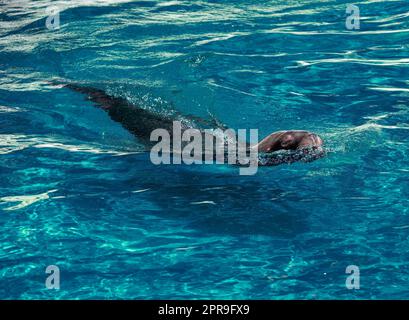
[(76, 192)]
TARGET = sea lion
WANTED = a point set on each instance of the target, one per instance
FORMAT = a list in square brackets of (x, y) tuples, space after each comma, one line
[(300, 145)]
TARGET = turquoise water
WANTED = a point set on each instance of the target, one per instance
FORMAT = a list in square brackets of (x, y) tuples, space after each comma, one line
[(77, 192)]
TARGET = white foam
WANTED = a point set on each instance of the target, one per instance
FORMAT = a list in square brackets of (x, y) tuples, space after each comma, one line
[(27, 200), (139, 191), (204, 202)]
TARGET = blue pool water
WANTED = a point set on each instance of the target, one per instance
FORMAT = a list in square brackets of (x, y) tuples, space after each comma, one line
[(76, 191)]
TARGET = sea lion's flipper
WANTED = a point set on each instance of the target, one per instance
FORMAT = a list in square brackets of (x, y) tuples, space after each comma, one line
[(98, 96), (138, 121)]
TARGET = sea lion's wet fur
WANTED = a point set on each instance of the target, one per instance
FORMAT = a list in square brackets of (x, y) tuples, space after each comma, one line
[(307, 154)]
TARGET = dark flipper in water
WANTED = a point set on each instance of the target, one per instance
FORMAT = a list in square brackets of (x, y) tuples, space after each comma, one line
[(138, 121)]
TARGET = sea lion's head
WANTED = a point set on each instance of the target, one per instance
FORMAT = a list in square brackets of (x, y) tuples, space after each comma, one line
[(289, 140)]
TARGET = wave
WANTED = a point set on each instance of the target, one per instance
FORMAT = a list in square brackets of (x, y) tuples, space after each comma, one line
[(26, 200), (10, 143)]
